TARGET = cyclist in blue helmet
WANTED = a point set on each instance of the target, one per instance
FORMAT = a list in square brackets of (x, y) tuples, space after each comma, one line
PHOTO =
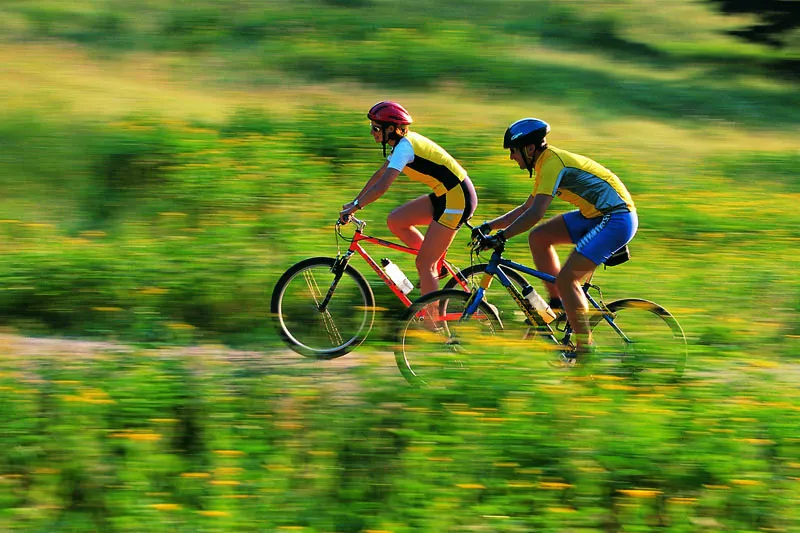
[(604, 222)]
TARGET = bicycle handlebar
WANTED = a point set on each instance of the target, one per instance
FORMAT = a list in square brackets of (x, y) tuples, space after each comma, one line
[(360, 224), (475, 244)]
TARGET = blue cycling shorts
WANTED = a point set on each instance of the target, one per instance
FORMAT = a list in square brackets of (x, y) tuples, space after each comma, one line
[(598, 238)]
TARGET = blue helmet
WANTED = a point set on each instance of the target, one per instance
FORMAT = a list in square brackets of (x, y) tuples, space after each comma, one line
[(525, 131)]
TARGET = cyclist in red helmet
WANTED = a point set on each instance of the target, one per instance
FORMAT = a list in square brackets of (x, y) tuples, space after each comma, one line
[(451, 202), (603, 223)]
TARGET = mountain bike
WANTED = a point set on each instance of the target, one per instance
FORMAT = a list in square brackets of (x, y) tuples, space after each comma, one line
[(447, 332), (323, 307)]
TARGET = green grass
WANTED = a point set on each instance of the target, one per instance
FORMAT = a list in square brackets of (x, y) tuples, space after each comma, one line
[(202, 444), (163, 164)]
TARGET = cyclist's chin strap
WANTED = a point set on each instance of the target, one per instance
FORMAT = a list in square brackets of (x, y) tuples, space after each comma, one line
[(528, 161), (386, 137)]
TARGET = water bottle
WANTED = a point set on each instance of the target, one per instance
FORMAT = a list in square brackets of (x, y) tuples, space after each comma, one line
[(397, 276), (538, 303)]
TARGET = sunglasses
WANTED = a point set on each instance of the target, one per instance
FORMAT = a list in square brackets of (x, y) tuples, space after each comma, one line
[(376, 129)]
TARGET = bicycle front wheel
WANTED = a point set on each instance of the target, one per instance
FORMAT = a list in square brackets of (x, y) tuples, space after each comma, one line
[(436, 344), (649, 346), (321, 310)]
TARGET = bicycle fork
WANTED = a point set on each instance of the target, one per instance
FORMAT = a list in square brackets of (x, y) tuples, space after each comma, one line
[(337, 269)]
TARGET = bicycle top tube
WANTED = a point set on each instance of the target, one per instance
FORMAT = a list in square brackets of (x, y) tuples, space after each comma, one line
[(497, 261), (361, 237)]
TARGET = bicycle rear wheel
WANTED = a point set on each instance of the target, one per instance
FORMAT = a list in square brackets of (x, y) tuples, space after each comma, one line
[(435, 345), (653, 348), (334, 331)]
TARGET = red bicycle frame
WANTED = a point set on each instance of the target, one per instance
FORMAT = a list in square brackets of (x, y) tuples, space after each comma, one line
[(356, 247)]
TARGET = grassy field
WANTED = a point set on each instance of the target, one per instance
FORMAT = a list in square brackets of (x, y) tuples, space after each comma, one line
[(162, 164)]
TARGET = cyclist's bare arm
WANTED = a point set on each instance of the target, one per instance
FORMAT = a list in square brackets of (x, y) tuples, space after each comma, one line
[(503, 221), (377, 185), (535, 208), (373, 191), (370, 182)]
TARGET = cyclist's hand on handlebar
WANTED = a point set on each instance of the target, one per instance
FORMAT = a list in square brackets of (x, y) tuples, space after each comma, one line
[(490, 242), (481, 231), (347, 210), (346, 213)]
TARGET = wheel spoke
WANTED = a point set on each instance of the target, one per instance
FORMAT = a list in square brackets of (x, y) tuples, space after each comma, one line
[(330, 327), (327, 321)]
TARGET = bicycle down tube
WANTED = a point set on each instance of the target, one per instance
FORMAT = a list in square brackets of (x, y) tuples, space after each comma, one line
[(493, 270), (356, 247)]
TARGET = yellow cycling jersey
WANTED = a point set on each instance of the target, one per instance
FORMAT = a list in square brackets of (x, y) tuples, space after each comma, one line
[(584, 183), (432, 165)]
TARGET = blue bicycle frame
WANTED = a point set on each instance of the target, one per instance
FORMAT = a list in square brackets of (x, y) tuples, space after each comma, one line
[(493, 270)]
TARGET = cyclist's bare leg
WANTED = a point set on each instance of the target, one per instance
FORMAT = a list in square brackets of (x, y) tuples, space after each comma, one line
[(438, 239), (402, 220), (541, 240), (575, 269)]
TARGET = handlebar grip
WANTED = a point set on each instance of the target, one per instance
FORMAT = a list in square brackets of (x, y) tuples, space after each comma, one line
[(359, 223)]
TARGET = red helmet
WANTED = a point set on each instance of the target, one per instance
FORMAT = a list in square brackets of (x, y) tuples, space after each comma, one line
[(389, 113)]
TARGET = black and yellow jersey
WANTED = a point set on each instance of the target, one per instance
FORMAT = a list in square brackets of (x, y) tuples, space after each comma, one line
[(429, 163), (584, 183)]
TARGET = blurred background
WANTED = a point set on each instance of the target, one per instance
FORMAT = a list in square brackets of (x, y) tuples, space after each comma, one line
[(162, 163)]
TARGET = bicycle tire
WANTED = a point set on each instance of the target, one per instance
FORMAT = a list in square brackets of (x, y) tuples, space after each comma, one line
[(657, 352), (344, 324), (432, 351)]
